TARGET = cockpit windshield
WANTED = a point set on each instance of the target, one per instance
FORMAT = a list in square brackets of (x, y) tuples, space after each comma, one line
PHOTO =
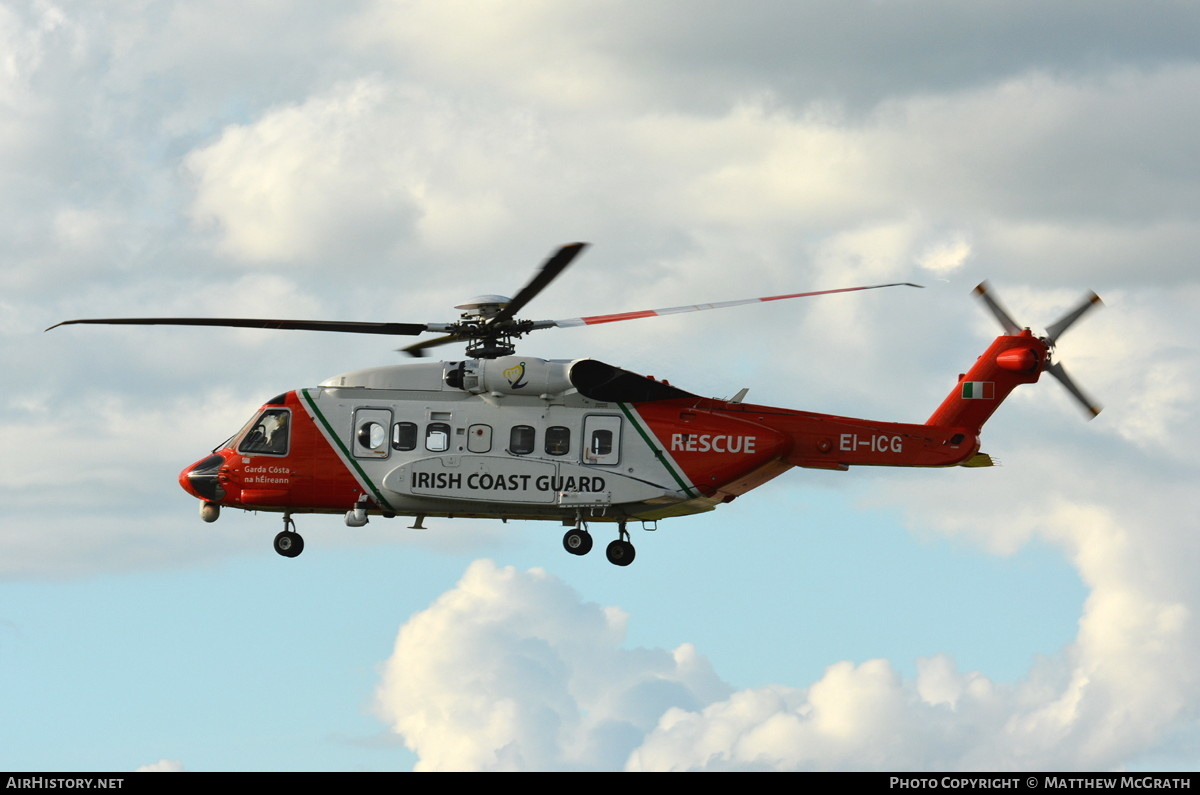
[(267, 434)]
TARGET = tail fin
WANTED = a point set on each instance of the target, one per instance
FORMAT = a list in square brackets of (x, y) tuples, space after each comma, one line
[(1014, 359), (1009, 362)]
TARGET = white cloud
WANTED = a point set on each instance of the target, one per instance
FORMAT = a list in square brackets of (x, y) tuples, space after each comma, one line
[(510, 670), (375, 168), (536, 51), (519, 655), (117, 506), (856, 717), (946, 255), (28, 41), (162, 766), (304, 176)]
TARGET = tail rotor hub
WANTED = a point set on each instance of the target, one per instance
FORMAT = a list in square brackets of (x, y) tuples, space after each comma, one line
[(1016, 359)]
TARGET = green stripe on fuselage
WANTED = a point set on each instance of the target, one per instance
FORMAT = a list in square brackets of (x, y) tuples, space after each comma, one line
[(345, 453), (658, 453)]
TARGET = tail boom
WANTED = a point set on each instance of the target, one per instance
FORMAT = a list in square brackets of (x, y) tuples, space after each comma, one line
[(832, 442), (797, 438)]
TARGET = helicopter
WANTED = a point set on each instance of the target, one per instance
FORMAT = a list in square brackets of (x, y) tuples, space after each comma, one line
[(502, 436)]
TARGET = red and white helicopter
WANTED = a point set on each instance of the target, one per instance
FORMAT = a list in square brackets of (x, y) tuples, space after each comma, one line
[(502, 436)]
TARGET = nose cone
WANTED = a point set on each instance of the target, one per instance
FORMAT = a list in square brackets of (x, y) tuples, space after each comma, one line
[(200, 479)]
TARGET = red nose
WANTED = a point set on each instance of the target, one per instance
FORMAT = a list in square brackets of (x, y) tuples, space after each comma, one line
[(200, 479)]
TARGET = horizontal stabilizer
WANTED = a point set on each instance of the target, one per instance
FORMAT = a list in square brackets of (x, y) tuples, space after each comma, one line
[(979, 460)]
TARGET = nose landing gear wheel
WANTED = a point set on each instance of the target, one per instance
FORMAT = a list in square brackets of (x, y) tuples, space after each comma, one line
[(577, 541), (620, 553), (289, 543)]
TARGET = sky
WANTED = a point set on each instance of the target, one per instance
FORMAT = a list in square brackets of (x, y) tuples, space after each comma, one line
[(383, 161)]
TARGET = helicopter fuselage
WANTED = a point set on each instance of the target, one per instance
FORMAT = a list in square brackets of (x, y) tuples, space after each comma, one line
[(526, 438)]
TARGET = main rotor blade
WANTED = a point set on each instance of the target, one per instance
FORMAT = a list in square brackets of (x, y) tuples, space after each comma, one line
[(675, 310), (1090, 406), (1056, 329), (418, 348), (404, 329), (550, 269), (1005, 320)]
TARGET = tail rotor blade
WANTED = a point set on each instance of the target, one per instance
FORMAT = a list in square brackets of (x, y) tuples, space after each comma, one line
[(1005, 319), (1090, 406), (1056, 329)]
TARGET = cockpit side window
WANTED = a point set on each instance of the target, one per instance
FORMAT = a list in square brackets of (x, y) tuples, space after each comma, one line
[(268, 435)]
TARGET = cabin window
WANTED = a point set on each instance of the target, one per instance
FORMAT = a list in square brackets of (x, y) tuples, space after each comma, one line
[(521, 440), (268, 435), (371, 435), (404, 436), (370, 439), (437, 437), (558, 440), (602, 439), (602, 442)]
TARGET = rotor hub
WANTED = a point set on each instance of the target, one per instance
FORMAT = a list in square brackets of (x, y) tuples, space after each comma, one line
[(484, 306)]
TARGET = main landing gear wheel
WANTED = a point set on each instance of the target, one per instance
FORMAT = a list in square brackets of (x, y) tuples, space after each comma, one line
[(289, 543), (620, 553), (577, 541)]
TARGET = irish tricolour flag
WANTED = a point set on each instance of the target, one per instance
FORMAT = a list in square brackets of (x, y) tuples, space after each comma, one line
[(979, 390)]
